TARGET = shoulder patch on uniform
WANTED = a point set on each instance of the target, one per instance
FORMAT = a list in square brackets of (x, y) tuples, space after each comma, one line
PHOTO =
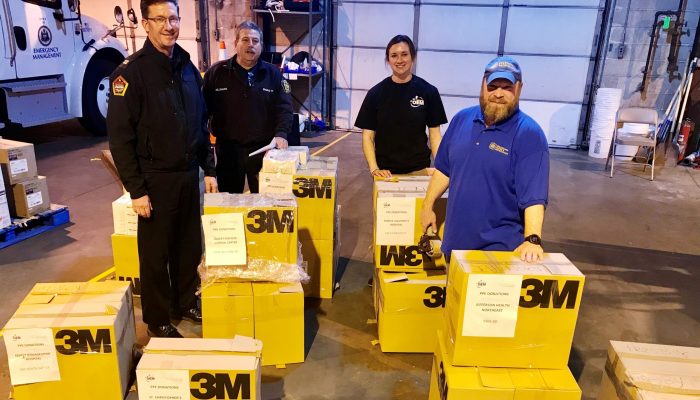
[(285, 86), (119, 86)]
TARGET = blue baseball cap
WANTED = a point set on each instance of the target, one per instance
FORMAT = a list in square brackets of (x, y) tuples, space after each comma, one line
[(503, 68)]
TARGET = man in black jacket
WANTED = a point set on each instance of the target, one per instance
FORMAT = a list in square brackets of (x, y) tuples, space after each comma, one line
[(249, 105), (157, 126)]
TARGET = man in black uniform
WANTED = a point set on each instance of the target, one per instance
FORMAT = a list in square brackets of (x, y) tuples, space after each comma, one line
[(249, 104), (157, 125)]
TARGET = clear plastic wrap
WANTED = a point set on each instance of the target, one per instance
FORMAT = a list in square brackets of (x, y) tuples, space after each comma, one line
[(257, 270)]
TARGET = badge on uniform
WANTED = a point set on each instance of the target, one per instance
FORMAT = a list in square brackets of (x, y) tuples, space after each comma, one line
[(119, 86), (285, 86)]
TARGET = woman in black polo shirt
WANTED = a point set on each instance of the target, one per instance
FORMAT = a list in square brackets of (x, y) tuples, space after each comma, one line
[(395, 113)]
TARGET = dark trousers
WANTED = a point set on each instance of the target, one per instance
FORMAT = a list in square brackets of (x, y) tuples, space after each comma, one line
[(170, 245), (233, 166)]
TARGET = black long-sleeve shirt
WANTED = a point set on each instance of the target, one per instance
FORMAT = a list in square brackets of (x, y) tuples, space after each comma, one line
[(247, 111), (157, 119)]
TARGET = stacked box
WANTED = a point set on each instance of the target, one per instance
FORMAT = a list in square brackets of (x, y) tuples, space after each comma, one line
[(504, 312), (124, 243), (449, 382), (27, 193), (315, 187), (259, 309), (397, 226), (636, 371), (5, 219), (72, 341), (202, 368), (410, 309), (270, 312)]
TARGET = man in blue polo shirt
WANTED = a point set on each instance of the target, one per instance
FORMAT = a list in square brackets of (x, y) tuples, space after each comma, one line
[(495, 161)]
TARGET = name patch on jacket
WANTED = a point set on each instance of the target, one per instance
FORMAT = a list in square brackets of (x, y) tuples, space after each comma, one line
[(119, 86)]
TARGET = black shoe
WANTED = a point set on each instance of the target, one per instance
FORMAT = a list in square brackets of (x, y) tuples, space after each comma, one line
[(165, 331), (193, 314)]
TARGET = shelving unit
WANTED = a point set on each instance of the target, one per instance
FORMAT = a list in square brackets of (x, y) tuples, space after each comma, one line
[(318, 49)]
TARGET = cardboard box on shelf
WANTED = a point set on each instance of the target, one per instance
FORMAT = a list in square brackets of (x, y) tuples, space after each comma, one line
[(637, 371), (125, 252), (72, 341), (17, 161), (29, 197), (504, 312), (270, 312), (200, 369), (448, 382), (270, 221), (409, 302), (126, 221)]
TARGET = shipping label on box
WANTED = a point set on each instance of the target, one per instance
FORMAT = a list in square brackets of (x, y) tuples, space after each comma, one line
[(125, 251), (200, 369), (5, 219), (409, 302), (449, 382), (270, 222), (397, 231), (17, 160), (636, 371), (30, 197), (126, 221), (93, 341), (504, 312)]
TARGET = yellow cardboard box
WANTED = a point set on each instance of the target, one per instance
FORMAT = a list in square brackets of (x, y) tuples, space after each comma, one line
[(270, 312), (410, 310), (279, 322), (448, 382), (504, 312), (125, 251), (200, 369), (315, 187), (90, 332), (270, 221), (227, 310), (636, 371), (321, 257), (388, 254)]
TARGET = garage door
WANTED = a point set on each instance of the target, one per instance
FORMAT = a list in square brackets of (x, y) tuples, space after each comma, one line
[(553, 41)]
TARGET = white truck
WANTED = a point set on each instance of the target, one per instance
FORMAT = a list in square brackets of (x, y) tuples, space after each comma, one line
[(55, 63)]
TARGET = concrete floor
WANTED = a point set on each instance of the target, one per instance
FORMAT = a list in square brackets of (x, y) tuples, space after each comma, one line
[(637, 242)]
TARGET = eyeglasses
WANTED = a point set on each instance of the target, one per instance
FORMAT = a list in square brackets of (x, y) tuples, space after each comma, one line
[(161, 20)]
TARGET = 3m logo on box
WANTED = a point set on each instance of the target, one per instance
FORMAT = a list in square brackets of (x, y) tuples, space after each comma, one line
[(436, 298), (70, 342), (442, 381), (401, 256), (270, 221), (312, 188), (207, 386), (546, 293)]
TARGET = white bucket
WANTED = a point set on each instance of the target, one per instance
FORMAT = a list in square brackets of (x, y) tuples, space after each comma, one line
[(624, 152), (607, 102)]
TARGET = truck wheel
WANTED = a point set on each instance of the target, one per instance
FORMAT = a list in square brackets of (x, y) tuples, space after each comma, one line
[(96, 95)]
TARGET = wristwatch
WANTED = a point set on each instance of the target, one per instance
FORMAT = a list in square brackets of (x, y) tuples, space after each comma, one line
[(534, 239)]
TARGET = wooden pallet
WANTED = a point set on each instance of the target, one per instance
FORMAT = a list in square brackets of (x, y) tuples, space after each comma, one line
[(24, 228)]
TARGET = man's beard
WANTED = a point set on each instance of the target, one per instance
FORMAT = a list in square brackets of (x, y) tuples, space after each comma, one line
[(494, 112)]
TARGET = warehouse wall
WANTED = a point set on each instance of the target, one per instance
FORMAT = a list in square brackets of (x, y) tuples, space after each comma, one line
[(626, 73)]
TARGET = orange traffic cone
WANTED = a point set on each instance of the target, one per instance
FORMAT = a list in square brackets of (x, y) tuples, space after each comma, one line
[(222, 51)]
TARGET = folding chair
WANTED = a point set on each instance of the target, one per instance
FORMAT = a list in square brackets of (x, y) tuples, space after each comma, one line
[(647, 141)]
